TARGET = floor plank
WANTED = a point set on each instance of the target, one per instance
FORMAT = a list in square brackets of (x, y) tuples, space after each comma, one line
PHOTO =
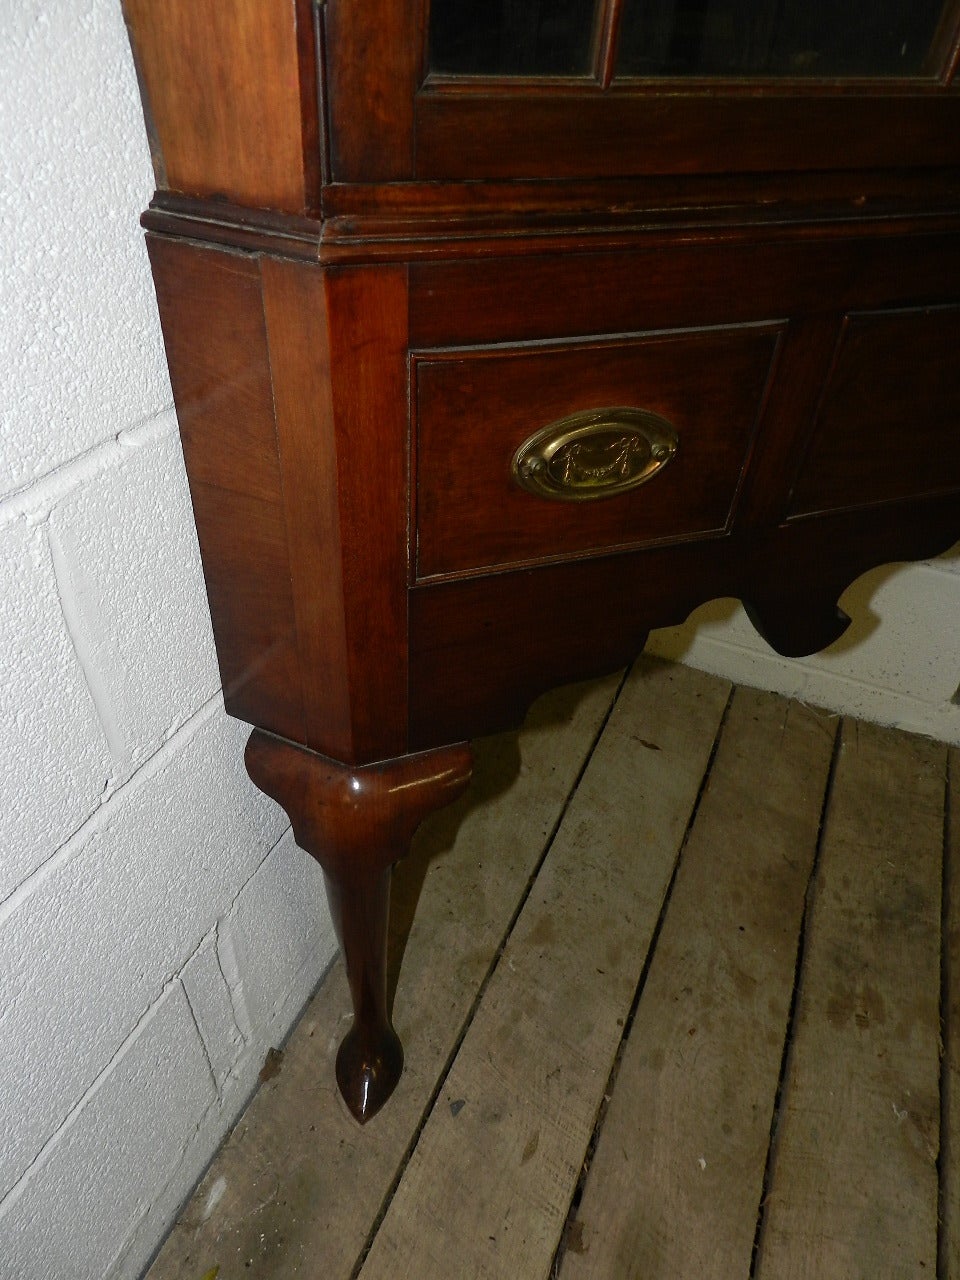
[(853, 1191), (950, 1156), (676, 1181), (298, 1186), (521, 973), (487, 1189)]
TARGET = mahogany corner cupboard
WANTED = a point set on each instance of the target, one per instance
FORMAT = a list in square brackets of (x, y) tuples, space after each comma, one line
[(502, 331)]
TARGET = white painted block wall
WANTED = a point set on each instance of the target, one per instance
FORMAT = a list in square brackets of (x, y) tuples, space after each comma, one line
[(159, 931)]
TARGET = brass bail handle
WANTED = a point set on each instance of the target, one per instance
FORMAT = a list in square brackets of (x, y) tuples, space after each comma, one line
[(595, 453)]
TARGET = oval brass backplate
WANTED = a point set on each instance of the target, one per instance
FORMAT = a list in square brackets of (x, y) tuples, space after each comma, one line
[(596, 453)]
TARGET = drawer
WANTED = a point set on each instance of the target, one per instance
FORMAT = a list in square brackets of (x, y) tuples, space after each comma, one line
[(888, 427), (476, 408)]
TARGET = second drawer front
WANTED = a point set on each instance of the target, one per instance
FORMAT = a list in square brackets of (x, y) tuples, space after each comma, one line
[(476, 408), (888, 427)]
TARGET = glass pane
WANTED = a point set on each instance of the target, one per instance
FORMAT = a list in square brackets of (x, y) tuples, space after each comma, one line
[(823, 38), (511, 37)]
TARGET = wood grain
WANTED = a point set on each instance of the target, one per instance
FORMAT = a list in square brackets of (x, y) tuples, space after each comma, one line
[(685, 1137), (475, 409), (561, 294), (298, 1182), (260, 114), (303, 1182), (853, 1190), (295, 309), (358, 822), (374, 56), (222, 96), (524, 1090), (805, 353), (338, 359), (590, 616), (489, 135), (223, 392), (887, 426)]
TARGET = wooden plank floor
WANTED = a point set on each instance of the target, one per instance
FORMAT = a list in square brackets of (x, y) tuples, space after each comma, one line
[(679, 989)]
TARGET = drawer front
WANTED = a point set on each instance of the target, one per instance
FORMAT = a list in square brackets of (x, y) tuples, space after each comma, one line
[(888, 427), (475, 410)]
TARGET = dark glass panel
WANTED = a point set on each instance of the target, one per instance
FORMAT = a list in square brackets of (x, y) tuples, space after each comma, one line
[(511, 37), (818, 38)]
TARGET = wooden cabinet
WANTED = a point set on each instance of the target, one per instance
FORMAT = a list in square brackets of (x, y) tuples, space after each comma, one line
[(502, 333)]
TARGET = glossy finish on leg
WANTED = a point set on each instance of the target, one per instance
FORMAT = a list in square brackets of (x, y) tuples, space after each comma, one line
[(357, 820), (370, 1058)]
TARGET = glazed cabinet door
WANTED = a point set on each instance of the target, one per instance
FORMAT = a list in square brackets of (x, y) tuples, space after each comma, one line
[(810, 39), (585, 89), (265, 104)]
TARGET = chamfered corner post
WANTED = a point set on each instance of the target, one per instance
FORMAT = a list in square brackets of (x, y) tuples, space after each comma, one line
[(357, 821)]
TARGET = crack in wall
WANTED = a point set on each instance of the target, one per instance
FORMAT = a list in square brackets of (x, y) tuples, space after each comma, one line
[(109, 805), (230, 972), (69, 593), (200, 1036), (46, 1151)]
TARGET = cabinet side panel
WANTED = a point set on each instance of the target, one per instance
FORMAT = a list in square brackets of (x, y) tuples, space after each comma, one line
[(222, 97), (295, 308), (338, 349), (369, 346), (213, 329)]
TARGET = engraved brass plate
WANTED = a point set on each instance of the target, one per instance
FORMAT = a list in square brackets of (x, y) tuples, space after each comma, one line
[(596, 453)]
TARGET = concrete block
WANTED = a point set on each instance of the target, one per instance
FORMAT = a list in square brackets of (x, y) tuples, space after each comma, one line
[(80, 350), (54, 760), (86, 1194), (130, 576), (150, 1231), (282, 937), (212, 1007), (89, 950)]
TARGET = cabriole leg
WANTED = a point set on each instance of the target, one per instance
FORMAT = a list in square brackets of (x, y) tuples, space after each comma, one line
[(370, 1058), (357, 821)]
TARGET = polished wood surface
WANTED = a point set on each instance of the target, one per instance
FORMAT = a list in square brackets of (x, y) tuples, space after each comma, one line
[(230, 98), (338, 344), (694, 277), (888, 424), (417, 221), (374, 60), (377, 282), (466, 135), (223, 391), (593, 614), (475, 409), (357, 823)]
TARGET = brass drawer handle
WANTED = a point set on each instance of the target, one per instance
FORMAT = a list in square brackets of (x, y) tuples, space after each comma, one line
[(596, 453)]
